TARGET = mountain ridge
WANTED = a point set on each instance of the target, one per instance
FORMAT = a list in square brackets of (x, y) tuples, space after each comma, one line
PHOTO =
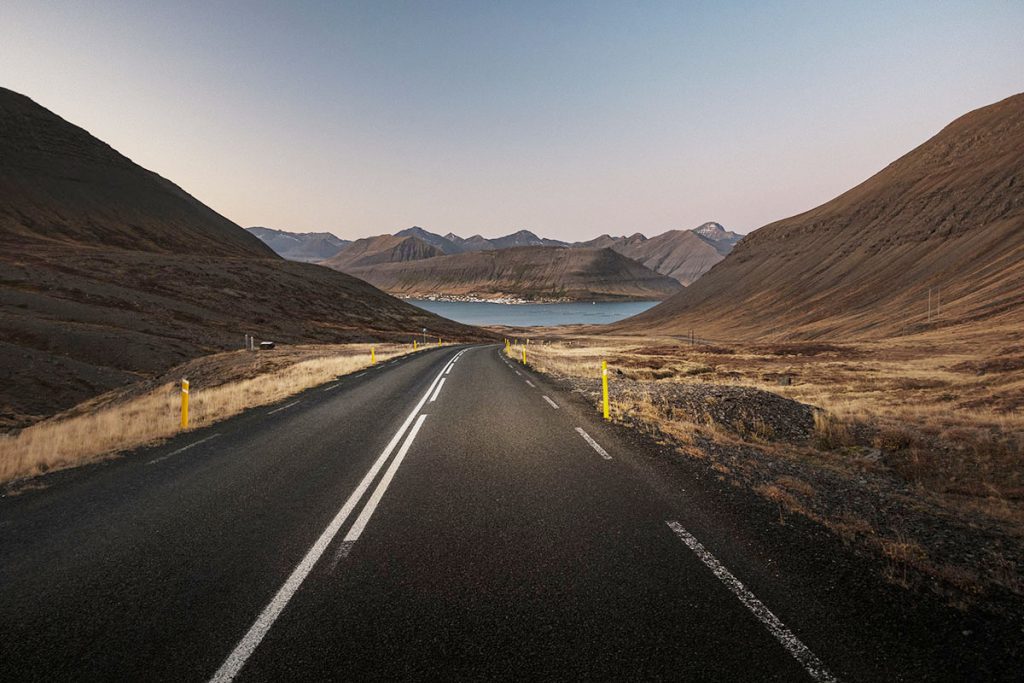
[(530, 273), (308, 247)]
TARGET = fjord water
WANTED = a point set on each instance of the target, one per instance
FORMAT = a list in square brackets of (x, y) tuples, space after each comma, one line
[(534, 315)]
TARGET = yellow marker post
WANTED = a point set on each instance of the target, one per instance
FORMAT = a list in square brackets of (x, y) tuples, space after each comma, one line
[(524, 354), (604, 387), (413, 344), (373, 356), (184, 404)]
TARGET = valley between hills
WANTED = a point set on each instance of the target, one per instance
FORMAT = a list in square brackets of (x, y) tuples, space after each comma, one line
[(856, 369)]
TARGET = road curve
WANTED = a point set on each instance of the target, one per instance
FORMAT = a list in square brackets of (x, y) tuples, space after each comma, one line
[(445, 515)]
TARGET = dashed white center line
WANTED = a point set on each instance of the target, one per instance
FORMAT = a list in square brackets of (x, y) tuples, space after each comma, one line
[(530, 383), (810, 662), (360, 374), (182, 449), (449, 368), (438, 390), (285, 406), (519, 373), (552, 403), (332, 387), (593, 444)]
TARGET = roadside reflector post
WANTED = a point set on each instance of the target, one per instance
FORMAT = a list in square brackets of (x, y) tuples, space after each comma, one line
[(373, 356), (604, 387), (184, 404), (413, 344), (524, 354), (438, 342)]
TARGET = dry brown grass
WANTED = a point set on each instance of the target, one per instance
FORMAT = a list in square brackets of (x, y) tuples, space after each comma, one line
[(92, 435), (945, 418)]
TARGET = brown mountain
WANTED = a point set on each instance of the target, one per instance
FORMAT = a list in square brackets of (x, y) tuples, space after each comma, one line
[(680, 254), (523, 272), (110, 274), (684, 255), (370, 251), (948, 215)]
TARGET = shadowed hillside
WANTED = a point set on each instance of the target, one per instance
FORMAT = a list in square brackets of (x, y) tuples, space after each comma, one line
[(947, 217), (109, 274), (60, 184)]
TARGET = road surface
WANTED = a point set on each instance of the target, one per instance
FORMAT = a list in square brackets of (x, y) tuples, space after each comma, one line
[(446, 515)]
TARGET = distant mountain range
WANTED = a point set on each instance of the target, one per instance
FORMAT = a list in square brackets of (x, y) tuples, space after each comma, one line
[(309, 247), (683, 255), (943, 222)]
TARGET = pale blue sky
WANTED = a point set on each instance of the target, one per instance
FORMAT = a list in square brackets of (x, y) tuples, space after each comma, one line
[(570, 119)]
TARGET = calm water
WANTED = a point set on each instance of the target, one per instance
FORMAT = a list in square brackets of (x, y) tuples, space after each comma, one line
[(523, 315)]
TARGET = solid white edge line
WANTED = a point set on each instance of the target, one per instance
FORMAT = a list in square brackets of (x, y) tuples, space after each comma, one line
[(553, 404), (797, 649), (252, 638), (438, 390), (371, 505), (182, 449), (287, 405), (593, 444)]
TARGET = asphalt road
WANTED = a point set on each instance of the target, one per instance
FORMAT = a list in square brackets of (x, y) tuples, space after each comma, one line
[(448, 515)]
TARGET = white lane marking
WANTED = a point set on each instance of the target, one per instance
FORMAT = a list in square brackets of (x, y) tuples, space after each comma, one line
[(332, 387), (519, 373), (449, 368), (360, 374), (247, 645), (438, 390), (531, 384), (287, 405), (371, 505), (182, 449), (811, 663), (553, 404), (593, 444)]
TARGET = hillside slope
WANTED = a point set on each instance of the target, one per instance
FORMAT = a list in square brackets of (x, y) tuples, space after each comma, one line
[(949, 215), (60, 184), (110, 274), (523, 272)]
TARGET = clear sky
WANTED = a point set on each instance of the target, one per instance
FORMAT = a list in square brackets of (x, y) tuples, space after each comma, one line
[(570, 119)]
